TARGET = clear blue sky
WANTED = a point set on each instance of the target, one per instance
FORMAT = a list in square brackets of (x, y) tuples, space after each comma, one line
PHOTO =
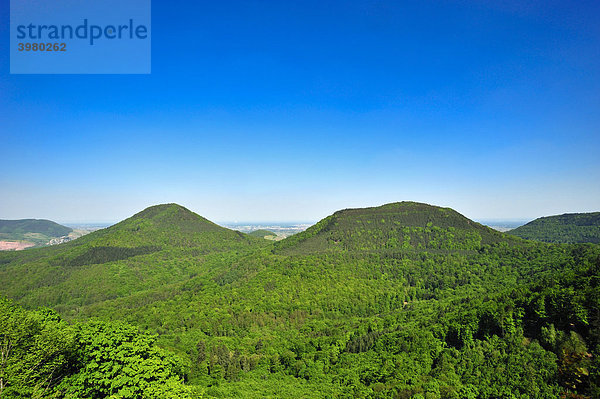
[(272, 111)]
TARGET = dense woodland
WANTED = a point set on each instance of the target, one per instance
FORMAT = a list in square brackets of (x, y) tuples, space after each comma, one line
[(405, 300), (567, 228)]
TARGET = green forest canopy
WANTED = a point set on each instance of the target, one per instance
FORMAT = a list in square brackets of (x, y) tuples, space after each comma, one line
[(399, 301), (567, 228)]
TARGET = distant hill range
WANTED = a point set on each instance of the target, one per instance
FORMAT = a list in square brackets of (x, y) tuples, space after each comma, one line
[(567, 228), (169, 243), (33, 231), (266, 234)]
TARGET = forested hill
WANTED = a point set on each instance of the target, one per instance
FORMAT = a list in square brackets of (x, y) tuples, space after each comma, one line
[(42, 226), (405, 300), (262, 233), (166, 224), (395, 226), (35, 230), (154, 246), (567, 228)]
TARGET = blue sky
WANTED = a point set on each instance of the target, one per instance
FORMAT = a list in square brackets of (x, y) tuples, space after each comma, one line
[(270, 111)]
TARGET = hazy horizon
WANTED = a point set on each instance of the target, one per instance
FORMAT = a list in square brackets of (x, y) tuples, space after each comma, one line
[(232, 222)]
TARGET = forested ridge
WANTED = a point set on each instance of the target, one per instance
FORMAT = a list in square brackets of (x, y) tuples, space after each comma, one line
[(37, 231), (406, 300), (567, 228), (262, 233)]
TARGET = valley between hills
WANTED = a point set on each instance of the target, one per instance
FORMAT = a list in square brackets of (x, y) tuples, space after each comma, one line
[(404, 300)]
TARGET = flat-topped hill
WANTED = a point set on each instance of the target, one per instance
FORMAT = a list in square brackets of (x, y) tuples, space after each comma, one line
[(399, 225)]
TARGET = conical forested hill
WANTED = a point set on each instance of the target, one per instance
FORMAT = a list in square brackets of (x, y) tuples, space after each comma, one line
[(167, 224), (173, 215), (567, 228), (395, 226), (155, 246)]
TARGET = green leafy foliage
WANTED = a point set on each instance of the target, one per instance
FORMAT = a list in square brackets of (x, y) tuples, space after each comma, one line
[(118, 361), (36, 352), (42, 357)]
